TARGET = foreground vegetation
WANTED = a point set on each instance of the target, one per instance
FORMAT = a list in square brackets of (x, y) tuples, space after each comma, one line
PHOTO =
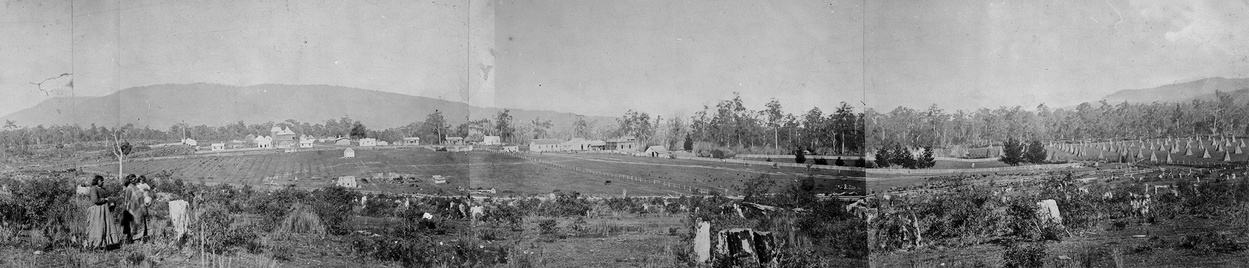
[(42, 223), (1202, 213)]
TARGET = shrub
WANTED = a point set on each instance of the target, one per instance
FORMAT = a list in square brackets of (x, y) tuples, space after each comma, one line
[(1031, 255), (547, 226), (220, 235), (333, 205), (301, 219), (821, 161), (799, 157), (882, 157), (1209, 242), (1036, 152), (839, 162), (862, 162), (1012, 152)]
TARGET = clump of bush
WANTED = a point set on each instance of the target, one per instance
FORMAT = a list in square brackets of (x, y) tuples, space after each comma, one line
[(821, 161), (302, 220), (425, 252), (1209, 242), (548, 226), (1030, 255), (334, 205), (221, 235)]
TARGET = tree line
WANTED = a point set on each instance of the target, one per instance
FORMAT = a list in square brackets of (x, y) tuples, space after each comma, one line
[(729, 124), (1088, 121)]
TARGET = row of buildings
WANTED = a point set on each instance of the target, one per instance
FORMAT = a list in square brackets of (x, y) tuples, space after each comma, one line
[(627, 143), (284, 138)]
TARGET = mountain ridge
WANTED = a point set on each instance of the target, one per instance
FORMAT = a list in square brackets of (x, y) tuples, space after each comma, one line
[(161, 106)]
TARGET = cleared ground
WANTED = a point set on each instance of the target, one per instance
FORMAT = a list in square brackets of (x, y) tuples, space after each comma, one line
[(508, 174)]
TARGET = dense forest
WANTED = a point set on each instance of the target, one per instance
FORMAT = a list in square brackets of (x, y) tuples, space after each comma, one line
[(1088, 121)]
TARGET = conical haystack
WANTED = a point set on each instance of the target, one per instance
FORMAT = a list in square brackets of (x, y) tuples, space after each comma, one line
[(1205, 154)]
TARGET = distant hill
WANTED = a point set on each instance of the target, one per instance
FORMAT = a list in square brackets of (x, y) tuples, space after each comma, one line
[(1198, 89), (161, 106)]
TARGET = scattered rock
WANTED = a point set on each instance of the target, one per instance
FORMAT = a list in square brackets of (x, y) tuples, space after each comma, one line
[(1064, 257)]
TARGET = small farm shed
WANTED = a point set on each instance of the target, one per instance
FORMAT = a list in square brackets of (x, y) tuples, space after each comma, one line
[(657, 151), (349, 153), (347, 181), (218, 146)]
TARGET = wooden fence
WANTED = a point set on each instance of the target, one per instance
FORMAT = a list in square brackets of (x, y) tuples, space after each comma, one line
[(971, 170)]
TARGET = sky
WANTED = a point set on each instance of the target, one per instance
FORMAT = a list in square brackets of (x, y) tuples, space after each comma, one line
[(674, 57), (972, 54), (589, 57)]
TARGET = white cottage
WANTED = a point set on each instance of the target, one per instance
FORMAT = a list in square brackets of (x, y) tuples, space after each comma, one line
[(491, 140), (347, 181)]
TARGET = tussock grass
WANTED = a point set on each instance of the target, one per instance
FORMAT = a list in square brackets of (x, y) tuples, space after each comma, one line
[(302, 220)]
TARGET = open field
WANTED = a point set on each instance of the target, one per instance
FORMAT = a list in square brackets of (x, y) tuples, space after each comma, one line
[(508, 174), (312, 169), (721, 176)]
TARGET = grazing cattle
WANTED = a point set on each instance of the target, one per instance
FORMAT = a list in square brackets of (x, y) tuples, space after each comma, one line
[(607, 182)]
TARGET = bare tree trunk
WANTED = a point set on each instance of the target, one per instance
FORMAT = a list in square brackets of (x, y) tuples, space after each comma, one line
[(117, 151)]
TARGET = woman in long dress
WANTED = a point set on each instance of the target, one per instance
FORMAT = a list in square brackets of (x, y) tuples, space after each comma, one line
[(100, 228), (136, 205)]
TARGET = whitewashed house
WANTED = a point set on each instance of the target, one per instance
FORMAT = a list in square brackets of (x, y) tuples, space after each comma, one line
[(264, 142), (491, 140), (368, 142), (306, 141), (544, 145)]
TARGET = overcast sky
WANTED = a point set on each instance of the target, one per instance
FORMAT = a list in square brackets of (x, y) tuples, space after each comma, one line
[(589, 57), (969, 54), (603, 57)]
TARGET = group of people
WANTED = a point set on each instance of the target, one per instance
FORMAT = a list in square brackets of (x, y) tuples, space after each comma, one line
[(131, 203)]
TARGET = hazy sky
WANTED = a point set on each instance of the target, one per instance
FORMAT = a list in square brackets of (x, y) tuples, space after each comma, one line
[(411, 47), (665, 57), (968, 54), (589, 57)]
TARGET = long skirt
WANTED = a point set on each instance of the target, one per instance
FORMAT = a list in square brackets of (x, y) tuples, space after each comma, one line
[(100, 229), (137, 223)]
